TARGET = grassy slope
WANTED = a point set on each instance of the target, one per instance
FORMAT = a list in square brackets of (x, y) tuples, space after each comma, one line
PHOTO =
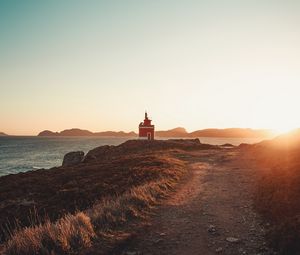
[(85, 203), (277, 195)]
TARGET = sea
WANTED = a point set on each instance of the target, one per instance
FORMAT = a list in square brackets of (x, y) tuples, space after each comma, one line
[(22, 154)]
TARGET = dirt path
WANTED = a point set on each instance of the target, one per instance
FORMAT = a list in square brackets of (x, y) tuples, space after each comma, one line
[(210, 213)]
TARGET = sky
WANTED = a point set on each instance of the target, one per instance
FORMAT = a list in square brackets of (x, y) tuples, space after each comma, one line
[(98, 65)]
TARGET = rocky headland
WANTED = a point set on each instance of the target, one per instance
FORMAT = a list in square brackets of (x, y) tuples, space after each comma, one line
[(106, 172), (176, 196)]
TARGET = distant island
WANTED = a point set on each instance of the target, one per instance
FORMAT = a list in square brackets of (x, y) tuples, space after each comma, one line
[(176, 132), (81, 132), (213, 132), (3, 134), (233, 133)]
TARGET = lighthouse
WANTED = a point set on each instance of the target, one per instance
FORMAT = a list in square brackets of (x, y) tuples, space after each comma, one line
[(146, 130)]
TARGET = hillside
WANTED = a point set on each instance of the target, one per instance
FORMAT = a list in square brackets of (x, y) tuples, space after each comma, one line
[(110, 187), (207, 199), (232, 133), (3, 134), (277, 196)]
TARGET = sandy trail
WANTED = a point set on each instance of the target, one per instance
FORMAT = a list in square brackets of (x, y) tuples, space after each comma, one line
[(210, 213)]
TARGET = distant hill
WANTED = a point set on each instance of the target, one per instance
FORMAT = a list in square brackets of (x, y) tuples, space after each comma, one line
[(277, 193), (287, 141), (48, 133), (3, 134), (233, 133), (116, 134), (81, 132), (175, 132), (76, 132), (214, 132)]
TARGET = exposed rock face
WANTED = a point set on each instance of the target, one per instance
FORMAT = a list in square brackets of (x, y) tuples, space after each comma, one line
[(73, 158), (98, 153)]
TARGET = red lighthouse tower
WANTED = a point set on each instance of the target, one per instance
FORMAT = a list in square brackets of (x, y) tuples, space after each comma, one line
[(146, 130)]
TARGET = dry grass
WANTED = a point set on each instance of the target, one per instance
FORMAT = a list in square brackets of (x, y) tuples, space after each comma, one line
[(75, 232), (113, 213), (27, 199), (277, 195), (277, 198), (67, 235)]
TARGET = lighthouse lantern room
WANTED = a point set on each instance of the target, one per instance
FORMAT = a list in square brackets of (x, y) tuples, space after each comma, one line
[(146, 130)]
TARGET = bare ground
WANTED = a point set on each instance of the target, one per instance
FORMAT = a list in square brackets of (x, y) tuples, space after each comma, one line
[(211, 212)]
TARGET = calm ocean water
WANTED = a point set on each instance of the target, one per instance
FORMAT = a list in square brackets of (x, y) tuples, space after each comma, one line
[(21, 154)]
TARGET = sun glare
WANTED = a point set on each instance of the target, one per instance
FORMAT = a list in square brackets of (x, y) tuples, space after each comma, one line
[(283, 129)]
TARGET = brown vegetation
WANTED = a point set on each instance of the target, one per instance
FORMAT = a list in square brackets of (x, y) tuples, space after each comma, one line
[(278, 190), (68, 235), (78, 206), (74, 233)]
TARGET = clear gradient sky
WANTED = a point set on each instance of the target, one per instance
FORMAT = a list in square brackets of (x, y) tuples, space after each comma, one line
[(98, 65)]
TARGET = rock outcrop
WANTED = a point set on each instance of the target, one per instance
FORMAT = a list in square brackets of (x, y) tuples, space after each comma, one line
[(73, 158), (135, 146)]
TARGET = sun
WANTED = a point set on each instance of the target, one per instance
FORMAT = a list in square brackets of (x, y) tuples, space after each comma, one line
[(284, 129)]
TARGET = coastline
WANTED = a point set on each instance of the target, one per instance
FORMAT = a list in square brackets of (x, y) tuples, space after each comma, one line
[(21, 154), (109, 195)]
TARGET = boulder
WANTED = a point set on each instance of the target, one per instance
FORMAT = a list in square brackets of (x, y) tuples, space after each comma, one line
[(232, 239), (73, 158), (99, 153)]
